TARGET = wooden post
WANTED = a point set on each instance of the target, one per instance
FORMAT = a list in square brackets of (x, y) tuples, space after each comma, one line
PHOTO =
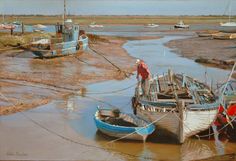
[(11, 31), (22, 28), (181, 122)]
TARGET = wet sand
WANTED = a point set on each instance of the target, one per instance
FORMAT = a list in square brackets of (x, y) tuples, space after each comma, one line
[(216, 53), (62, 76), (66, 75)]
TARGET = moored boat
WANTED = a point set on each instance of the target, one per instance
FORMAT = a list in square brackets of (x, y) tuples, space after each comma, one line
[(152, 25), (179, 105), (207, 33), (224, 36), (67, 40), (121, 125), (95, 25), (181, 24)]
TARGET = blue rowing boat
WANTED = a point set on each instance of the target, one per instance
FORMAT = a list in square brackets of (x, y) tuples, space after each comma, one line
[(120, 125)]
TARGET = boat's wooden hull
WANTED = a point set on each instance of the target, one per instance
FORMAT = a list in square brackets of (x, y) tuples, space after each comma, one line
[(62, 49), (193, 121)]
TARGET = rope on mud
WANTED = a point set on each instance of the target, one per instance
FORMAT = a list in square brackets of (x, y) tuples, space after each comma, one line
[(142, 127), (73, 141), (83, 61), (114, 91), (127, 74)]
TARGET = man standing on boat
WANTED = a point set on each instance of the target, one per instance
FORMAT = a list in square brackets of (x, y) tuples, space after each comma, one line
[(142, 69)]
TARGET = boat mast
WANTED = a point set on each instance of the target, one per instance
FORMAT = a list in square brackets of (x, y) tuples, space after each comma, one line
[(3, 16), (64, 13), (230, 11)]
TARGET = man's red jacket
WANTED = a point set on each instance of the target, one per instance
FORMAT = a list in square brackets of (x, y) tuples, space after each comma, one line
[(143, 70)]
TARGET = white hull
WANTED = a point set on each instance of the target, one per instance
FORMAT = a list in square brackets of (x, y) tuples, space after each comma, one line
[(228, 24), (152, 25), (193, 121), (96, 26)]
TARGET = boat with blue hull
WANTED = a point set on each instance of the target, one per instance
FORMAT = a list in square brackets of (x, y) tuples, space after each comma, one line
[(120, 125), (67, 40)]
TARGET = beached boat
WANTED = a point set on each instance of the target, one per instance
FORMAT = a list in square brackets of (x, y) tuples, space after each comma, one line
[(224, 36), (152, 25), (179, 105), (181, 24), (121, 125), (207, 33), (66, 41)]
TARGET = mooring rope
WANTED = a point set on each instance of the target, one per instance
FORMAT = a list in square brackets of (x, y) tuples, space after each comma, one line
[(114, 91), (127, 74), (73, 141), (141, 127)]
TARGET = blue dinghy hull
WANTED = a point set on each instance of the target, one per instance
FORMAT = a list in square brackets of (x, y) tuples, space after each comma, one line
[(139, 132)]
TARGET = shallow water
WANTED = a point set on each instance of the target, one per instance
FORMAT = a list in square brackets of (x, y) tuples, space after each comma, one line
[(78, 118), (107, 29)]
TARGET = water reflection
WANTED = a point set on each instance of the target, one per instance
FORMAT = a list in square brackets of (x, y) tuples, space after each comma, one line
[(195, 149)]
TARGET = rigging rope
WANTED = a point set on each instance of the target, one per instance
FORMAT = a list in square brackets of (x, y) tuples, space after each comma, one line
[(73, 141)]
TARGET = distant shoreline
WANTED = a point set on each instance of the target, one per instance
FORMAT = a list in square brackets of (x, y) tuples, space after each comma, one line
[(115, 19)]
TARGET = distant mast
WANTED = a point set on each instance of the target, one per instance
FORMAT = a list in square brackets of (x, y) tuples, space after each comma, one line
[(230, 11), (64, 14)]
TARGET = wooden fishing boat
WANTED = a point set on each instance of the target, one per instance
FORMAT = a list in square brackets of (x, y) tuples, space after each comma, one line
[(179, 105), (66, 41), (121, 125)]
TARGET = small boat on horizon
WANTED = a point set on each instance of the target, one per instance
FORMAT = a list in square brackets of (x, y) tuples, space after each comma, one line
[(152, 25), (95, 25), (120, 125), (181, 24)]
